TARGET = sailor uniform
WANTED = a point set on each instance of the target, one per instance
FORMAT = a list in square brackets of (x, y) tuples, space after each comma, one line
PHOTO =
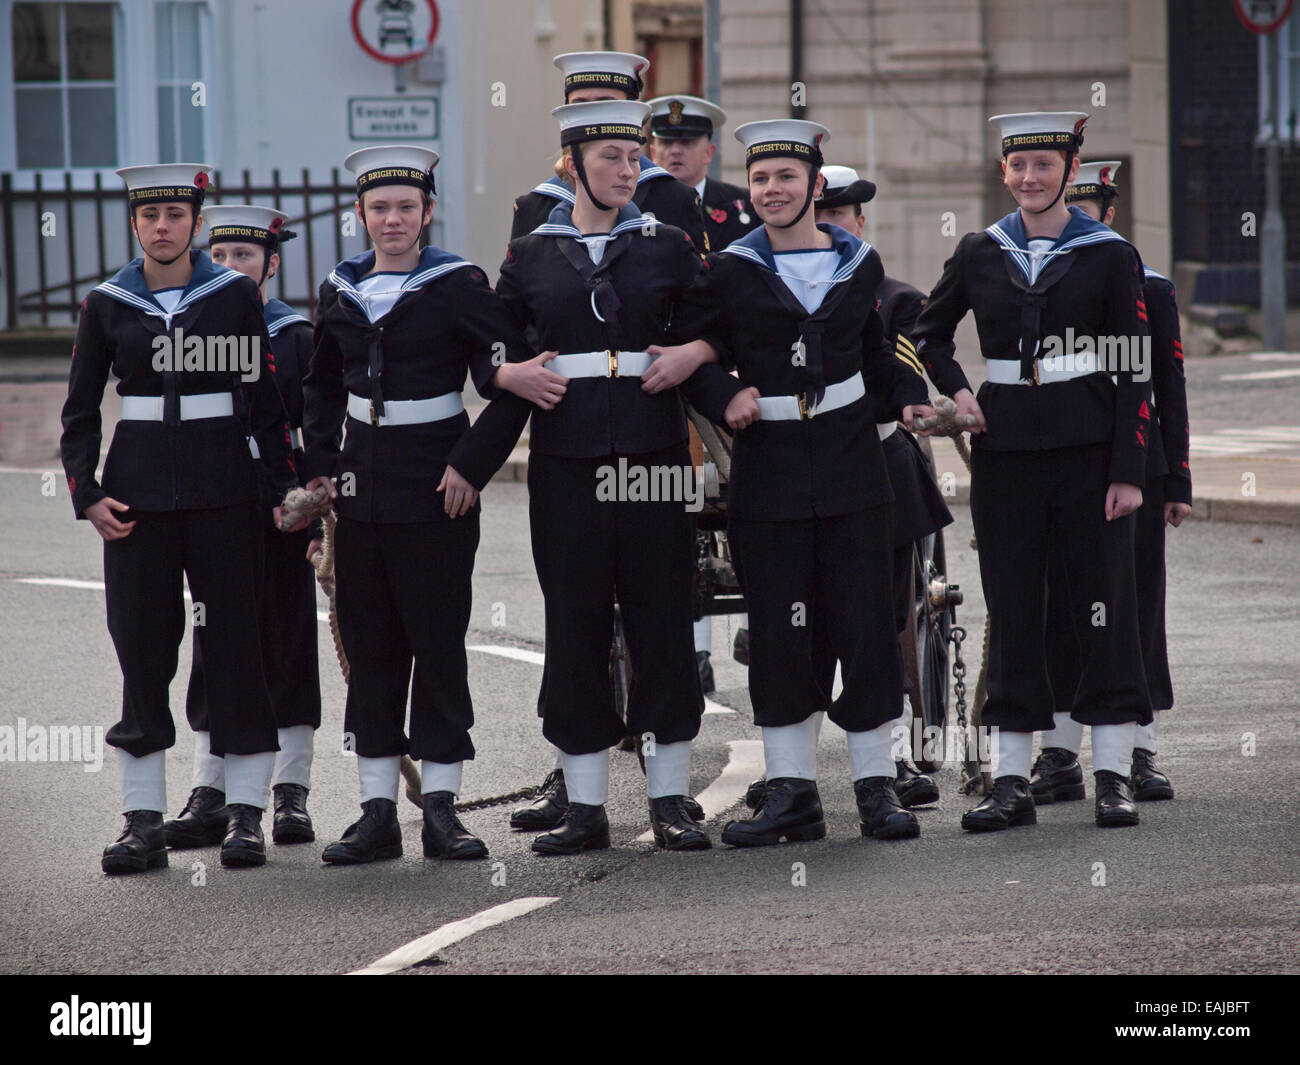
[(402, 567), (587, 546), (1168, 479), (809, 516), (180, 458), (1049, 453), (287, 613)]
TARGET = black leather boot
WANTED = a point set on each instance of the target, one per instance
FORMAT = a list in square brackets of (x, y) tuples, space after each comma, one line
[(292, 823), (1147, 782), (140, 846), (1009, 804), (792, 810), (754, 794), (584, 828), (376, 837), (1115, 807), (913, 787), (1057, 777), (547, 809), (674, 827), (443, 834), (705, 667), (880, 811), (244, 844), (203, 822)]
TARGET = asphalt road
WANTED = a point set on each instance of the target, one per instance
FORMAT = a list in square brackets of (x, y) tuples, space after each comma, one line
[(1208, 883)]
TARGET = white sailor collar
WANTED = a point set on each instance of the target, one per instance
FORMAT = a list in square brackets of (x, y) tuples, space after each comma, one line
[(434, 263), (128, 286), (279, 314), (558, 189), (755, 247), (559, 223), (1082, 229)]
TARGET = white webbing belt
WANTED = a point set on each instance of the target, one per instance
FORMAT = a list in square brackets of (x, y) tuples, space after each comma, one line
[(295, 441), (886, 429), (406, 411), (203, 405), (606, 363), (1050, 371), (794, 408)]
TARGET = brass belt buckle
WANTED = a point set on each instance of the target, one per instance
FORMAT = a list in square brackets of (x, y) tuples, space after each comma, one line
[(374, 418), (1036, 380), (612, 369), (804, 412)]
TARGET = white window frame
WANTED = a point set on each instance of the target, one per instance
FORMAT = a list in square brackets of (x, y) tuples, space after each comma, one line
[(24, 175), (204, 28)]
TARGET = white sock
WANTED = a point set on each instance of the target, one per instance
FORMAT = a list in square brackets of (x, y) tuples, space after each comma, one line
[(586, 777), (1012, 753), (293, 762), (818, 719), (871, 752), (1065, 733), (791, 750), (1112, 748), (668, 770), (209, 768), (248, 778), (440, 776), (1145, 737), (144, 781), (379, 777), (559, 758), (704, 635)]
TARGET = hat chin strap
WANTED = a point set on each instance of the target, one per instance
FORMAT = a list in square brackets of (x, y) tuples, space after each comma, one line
[(582, 176), (807, 200), (1065, 180), (167, 262)]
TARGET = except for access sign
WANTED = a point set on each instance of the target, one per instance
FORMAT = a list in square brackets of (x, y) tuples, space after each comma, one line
[(381, 118)]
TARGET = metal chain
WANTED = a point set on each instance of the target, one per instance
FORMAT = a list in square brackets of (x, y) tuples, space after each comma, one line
[(956, 634), (500, 800)]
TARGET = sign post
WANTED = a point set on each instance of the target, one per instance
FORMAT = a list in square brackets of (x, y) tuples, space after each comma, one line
[(1264, 17)]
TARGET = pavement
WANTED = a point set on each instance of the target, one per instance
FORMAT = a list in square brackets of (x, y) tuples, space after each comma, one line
[(1244, 413)]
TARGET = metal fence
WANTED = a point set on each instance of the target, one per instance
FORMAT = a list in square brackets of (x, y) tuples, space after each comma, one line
[(61, 240)]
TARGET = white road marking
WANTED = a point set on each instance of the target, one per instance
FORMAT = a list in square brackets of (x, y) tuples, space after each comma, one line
[(1243, 441), (1259, 375), (517, 653), (419, 949), (745, 762), (1274, 356), (538, 659), (62, 582)]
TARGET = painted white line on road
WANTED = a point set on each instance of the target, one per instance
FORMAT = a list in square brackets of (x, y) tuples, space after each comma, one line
[(744, 763), (517, 653), (62, 582), (1259, 375), (538, 659), (1274, 356), (419, 949)]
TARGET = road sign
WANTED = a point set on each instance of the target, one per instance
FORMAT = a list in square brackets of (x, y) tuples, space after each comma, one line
[(395, 31), (1262, 16), (387, 118)]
